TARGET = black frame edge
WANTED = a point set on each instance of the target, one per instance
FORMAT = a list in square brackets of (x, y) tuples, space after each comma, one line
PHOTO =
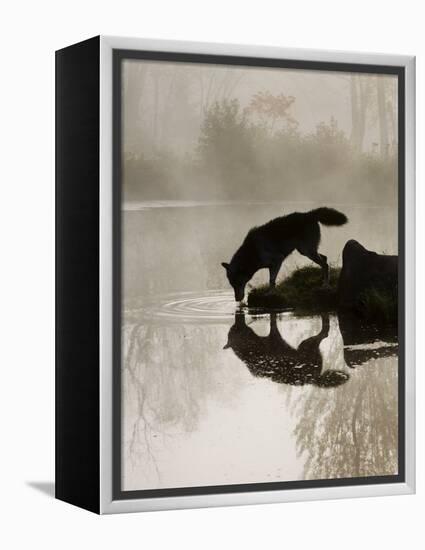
[(77, 460)]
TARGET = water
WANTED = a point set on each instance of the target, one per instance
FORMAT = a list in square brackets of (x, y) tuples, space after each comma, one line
[(214, 393)]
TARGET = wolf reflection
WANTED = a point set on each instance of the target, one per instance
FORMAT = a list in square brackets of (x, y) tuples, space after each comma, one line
[(273, 357), (186, 399)]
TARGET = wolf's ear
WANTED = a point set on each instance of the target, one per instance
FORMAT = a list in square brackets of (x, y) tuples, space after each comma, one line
[(225, 265)]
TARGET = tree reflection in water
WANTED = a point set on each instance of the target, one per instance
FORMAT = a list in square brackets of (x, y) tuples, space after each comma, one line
[(352, 431), (340, 384), (168, 380)]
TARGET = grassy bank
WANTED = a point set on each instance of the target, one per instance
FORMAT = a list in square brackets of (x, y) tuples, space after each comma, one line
[(378, 306), (301, 291)]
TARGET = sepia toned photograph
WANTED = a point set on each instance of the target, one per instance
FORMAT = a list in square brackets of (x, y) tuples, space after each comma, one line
[(258, 265)]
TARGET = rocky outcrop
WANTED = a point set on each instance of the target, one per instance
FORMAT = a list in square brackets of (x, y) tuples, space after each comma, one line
[(364, 341), (363, 270)]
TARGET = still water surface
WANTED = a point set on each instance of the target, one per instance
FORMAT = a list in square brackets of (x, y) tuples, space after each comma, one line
[(216, 394)]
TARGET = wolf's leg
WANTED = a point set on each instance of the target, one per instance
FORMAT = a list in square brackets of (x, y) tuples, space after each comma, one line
[(274, 270), (325, 269), (318, 259), (325, 326), (275, 335), (273, 324)]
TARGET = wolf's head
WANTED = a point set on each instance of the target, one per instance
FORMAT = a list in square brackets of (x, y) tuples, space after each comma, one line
[(237, 279)]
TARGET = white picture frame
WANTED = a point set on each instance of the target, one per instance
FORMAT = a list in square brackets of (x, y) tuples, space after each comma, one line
[(107, 502)]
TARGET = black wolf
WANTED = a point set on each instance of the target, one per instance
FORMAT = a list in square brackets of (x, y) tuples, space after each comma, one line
[(268, 246), (272, 357)]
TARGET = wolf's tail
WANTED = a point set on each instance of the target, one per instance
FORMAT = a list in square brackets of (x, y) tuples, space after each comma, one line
[(328, 216)]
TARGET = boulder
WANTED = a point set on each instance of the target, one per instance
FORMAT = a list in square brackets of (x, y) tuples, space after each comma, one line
[(363, 341), (363, 270), (358, 332)]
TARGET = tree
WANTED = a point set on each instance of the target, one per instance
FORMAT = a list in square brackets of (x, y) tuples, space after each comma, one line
[(135, 76), (382, 118), (351, 430), (216, 85), (361, 95), (272, 108), (225, 145)]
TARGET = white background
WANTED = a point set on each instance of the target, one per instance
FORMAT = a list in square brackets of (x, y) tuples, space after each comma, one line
[(30, 32)]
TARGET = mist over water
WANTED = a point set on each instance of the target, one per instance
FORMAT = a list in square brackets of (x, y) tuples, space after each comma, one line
[(177, 247), (197, 414)]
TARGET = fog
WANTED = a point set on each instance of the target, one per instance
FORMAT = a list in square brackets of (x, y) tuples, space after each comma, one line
[(174, 248), (211, 132)]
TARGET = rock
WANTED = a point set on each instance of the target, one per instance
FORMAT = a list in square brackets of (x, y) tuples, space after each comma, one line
[(363, 270), (358, 332), (363, 341)]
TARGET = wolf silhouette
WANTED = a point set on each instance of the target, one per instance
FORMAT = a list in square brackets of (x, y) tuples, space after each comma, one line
[(272, 357), (268, 245)]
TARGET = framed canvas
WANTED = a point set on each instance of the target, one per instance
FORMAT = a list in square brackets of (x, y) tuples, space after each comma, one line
[(235, 274)]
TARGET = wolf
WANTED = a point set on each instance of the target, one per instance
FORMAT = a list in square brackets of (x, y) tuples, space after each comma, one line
[(272, 357), (268, 245)]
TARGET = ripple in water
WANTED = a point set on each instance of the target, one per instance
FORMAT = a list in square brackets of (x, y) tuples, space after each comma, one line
[(210, 306)]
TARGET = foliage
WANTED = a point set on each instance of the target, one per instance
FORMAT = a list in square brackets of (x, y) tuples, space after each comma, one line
[(271, 108), (378, 306), (259, 152), (158, 176), (303, 292), (226, 147)]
